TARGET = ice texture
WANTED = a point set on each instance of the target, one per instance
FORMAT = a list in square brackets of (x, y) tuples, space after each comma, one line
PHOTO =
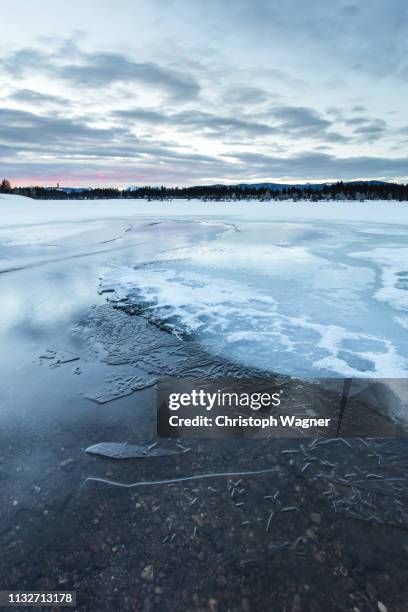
[(294, 298), (298, 288)]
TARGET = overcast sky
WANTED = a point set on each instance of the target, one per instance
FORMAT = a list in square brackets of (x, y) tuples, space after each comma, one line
[(131, 92)]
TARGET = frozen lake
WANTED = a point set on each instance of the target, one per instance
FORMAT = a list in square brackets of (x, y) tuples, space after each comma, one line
[(295, 288), (311, 298), (288, 287)]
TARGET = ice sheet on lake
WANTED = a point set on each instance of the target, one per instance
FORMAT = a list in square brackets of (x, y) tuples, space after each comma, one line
[(282, 297), (393, 263), (302, 288), (44, 233)]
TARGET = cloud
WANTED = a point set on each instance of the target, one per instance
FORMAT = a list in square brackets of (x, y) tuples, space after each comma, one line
[(335, 137), (357, 120), (358, 109), (141, 161), (35, 97), (235, 92), (22, 127), (304, 122), (24, 60), (7, 151), (246, 95), (369, 37), (315, 165), (372, 130), (101, 70), (366, 129), (299, 119), (288, 121), (238, 167), (66, 139), (198, 120), (145, 171)]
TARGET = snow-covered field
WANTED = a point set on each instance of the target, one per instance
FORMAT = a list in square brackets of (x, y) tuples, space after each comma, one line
[(301, 288), (18, 210)]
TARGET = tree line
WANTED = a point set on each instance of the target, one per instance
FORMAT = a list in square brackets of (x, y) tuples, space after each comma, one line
[(358, 191)]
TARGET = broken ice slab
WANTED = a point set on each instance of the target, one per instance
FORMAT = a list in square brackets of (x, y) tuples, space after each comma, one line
[(119, 387), (119, 450)]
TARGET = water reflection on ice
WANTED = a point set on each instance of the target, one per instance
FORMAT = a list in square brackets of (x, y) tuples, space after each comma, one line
[(45, 291)]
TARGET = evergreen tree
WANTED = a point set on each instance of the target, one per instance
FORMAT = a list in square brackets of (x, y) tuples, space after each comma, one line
[(5, 186)]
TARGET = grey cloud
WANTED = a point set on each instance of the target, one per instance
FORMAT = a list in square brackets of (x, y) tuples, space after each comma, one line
[(369, 36), (98, 70), (7, 150), (335, 137), (367, 129), (372, 130), (23, 60), (22, 131), (17, 126), (335, 111), (357, 120), (321, 166), (290, 121), (245, 95), (146, 171), (301, 119), (36, 97), (304, 122), (101, 69), (144, 115), (140, 152), (198, 120), (238, 167)]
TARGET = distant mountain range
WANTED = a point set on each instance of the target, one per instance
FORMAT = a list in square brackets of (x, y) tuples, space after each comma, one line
[(316, 186), (280, 186)]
